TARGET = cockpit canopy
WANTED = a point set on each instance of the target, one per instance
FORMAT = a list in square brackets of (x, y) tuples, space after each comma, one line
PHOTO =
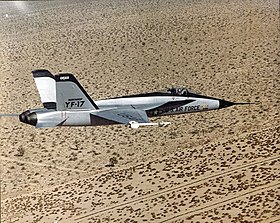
[(178, 91)]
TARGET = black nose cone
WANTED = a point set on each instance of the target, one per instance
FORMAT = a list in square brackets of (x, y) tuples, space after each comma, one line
[(28, 118), (23, 116), (225, 104)]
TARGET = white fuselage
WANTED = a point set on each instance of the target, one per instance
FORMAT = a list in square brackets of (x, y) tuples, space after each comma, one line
[(132, 108), (152, 105)]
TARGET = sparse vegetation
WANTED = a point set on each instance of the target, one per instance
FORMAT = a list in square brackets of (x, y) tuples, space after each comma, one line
[(20, 151), (112, 162), (226, 53)]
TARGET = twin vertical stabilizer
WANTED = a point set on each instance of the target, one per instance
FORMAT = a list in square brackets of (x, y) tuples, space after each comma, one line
[(62, 92), (46, 86)]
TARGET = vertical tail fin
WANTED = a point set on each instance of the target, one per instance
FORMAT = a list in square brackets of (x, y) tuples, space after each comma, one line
[(70, 95), (62, 92), (46, 86)]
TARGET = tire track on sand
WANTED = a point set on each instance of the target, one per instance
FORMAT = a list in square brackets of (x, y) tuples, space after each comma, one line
[(41, 164), (215, 204), (223, 173)]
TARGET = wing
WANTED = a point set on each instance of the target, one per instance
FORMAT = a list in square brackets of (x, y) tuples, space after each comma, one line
[(122, 115)]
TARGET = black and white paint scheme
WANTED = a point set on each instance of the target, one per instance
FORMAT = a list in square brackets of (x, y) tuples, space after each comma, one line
[(66, 103)]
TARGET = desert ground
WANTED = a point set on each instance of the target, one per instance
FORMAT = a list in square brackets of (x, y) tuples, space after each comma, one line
[(217, 166)]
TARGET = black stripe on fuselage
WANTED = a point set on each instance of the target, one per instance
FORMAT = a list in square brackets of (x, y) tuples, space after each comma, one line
[(96, 120), (64, 77), (163, 94), (166, 107)]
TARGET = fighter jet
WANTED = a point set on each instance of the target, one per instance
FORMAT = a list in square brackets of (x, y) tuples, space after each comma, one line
[(66, 103)]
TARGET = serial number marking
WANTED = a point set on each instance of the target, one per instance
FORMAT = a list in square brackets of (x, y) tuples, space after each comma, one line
[(74, 104)]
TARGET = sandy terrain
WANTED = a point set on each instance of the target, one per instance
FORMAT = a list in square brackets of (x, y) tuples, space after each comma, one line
[(218, 166)]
